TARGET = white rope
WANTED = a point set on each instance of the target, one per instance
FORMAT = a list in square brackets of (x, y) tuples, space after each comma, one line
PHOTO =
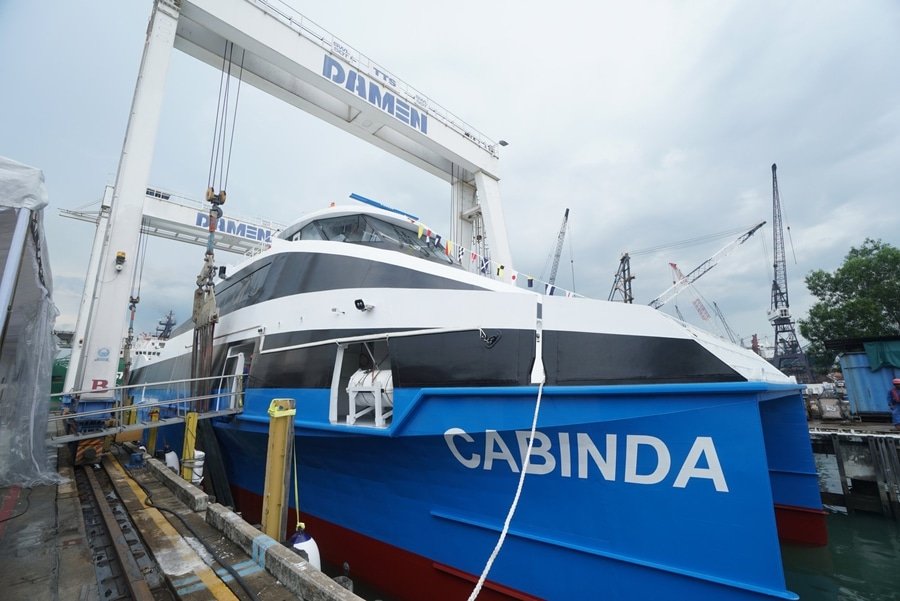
[(515, 503)]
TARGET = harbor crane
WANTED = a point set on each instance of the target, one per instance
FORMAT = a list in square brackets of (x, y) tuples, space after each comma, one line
[(731, 334), (551, 281), (702, 308), (622, 282), (788, 356), (702, 268), (697, 302)]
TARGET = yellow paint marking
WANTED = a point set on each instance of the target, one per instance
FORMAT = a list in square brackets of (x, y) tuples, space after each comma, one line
[(179, 554)]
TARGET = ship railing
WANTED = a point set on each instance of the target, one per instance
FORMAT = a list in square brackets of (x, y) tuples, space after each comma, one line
[(94, 413), (372, 337)]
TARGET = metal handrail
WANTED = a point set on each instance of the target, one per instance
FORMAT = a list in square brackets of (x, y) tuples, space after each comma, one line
[(232, 392), (369, 337)]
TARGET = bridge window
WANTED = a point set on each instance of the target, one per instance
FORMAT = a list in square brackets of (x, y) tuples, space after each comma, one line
[(371, 231)]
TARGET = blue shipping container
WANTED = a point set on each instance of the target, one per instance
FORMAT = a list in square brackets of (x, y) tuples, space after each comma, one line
[(867, 390)]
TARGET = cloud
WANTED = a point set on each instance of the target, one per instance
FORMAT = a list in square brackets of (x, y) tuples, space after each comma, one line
[(652, 122)]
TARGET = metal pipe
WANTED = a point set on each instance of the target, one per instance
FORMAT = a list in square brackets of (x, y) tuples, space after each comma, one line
[(11, 269)]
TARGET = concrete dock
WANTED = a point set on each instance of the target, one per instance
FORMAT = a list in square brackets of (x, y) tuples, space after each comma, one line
[(174, 543)]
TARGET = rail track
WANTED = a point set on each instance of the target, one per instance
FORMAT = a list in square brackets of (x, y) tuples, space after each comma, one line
[(124, 568)]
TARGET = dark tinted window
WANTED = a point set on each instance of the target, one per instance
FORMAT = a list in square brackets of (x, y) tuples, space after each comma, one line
[(370, 231)]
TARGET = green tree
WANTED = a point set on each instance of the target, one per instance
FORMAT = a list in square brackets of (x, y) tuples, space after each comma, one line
[(861, 298)]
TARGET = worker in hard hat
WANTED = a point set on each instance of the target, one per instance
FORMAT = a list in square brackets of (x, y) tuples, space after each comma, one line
[(894, 403)]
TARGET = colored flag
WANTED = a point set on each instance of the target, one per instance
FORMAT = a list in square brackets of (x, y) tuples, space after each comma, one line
[(500, 271), (530, 282), (421, 230), (460, 253), (548, 289), (513, 275), (437, 241), (449, 248), (485, 262)]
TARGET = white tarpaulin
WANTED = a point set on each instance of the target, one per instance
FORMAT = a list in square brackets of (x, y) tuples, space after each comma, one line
[(27, 344)]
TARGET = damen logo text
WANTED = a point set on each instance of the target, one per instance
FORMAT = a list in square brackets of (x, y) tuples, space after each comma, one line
[(374, 94)]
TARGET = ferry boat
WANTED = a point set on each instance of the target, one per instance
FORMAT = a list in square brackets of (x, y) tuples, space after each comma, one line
[(664, 460)]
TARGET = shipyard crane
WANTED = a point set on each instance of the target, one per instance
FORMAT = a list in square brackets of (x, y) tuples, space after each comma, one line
[(622, 282), (164, 215), (291, 58), (702, 268), (701, 305), (731, 335), (788, 356), (698, 304), (560, 238)]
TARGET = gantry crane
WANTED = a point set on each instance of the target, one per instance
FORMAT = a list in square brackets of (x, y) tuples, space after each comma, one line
[(293, 59), (788, 356), (560, 238)]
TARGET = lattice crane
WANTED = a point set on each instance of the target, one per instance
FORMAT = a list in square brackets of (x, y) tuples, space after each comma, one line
[(622, 282), (788, 356), (702, 308), (551, 281), (702, 268)]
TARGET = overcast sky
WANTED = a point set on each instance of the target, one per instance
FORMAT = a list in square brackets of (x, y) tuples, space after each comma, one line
[(654, 122)]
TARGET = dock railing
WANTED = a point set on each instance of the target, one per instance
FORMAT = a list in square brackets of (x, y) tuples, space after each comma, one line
[(130, 408)]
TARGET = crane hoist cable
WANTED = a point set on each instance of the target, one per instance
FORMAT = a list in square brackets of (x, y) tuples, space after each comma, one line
[(220, 156), (687, 242), (205, 312), (134, 299)]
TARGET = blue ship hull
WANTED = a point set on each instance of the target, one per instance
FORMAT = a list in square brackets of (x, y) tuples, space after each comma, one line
[(665, 460), (633, 491)]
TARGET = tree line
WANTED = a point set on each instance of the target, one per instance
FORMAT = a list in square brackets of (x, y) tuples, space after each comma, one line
[(861, 298)]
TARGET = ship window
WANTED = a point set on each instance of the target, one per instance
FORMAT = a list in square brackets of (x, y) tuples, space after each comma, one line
[(243, 291), (371, 231), (309, 232), (342, 229)]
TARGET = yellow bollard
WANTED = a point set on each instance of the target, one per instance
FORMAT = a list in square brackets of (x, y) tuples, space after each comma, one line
[(278, 457), (190, 442), (151, 438)]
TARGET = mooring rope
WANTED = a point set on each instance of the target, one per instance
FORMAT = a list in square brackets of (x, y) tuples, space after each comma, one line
[(515, 503)]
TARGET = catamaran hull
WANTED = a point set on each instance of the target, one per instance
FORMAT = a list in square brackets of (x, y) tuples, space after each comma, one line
[(659, 455)]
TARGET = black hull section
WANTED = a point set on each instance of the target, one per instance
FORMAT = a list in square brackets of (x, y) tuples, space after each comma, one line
[(580, 358), (479, 358)]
